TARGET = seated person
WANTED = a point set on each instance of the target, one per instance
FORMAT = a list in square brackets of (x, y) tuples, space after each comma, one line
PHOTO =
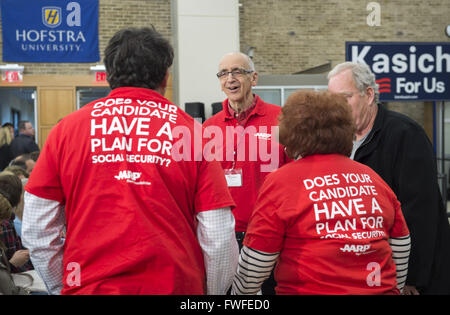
[(7, 286), (18, 256), (18, 171), (25, 161)]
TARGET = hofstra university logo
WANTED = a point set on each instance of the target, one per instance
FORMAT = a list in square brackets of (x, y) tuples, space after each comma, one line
[(50, 31), (51, 16), (68, 38)]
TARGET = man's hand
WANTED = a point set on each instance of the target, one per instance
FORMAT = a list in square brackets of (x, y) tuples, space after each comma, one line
[(410, 290), (20, 257)]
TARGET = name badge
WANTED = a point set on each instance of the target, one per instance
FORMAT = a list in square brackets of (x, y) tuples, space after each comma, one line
[(233, 177)]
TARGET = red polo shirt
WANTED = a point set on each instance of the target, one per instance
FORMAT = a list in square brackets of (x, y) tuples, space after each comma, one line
[(249, 145)]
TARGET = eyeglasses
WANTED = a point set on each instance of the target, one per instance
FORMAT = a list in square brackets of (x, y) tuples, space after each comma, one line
[(234, 73)]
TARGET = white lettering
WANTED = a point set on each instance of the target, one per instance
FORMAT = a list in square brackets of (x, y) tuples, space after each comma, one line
[(74, 17), (401, 63)]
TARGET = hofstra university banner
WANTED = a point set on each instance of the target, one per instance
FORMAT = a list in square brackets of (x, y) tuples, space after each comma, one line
[(50, 30)]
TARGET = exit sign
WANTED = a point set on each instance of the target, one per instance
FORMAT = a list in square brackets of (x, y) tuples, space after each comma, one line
[(12, 76), (99, 73), (100, 77)]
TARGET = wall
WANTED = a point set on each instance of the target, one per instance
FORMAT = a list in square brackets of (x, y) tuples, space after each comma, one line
[(290, 36), (204, 31)]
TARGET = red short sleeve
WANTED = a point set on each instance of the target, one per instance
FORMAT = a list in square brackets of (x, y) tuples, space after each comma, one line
[(212, 190), (399, 228), (266, 229), (44, 181)]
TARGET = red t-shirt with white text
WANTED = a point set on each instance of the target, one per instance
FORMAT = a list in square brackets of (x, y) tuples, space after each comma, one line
[(130, 205), (331, 218)]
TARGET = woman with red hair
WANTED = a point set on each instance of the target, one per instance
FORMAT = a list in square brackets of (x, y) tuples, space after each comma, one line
[(330, 224)]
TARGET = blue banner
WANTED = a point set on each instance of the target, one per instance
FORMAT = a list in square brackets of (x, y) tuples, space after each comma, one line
[(50, 30), (417, 71)]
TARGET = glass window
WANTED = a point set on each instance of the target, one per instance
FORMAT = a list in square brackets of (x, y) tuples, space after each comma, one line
[(289, 91), (279, 95), (272, 96), (86, 95)]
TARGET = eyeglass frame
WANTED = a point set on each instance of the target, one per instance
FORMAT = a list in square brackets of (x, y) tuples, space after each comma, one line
[(238, 71)]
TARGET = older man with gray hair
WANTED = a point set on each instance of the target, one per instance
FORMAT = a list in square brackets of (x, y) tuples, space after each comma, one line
[(398, 149), (246, 122)]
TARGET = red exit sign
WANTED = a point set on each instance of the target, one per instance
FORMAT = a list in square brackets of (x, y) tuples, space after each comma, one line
[(12, 76), (100, 77)]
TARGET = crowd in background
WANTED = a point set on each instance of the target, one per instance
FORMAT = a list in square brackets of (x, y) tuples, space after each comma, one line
[(18, 154)]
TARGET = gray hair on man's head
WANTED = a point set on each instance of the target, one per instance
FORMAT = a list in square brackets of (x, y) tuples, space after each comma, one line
[(362, 76), (249, 60), (250, 63)]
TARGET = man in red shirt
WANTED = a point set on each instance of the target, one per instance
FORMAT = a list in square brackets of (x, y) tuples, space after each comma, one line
[(138, 220), (248, 127)]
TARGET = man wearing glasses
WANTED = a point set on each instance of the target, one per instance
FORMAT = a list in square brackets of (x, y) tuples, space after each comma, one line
[(247, 124), (398, 149)]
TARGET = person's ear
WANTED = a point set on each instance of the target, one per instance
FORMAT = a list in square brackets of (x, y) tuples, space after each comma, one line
[(370, 93), (254, 78), (166, 80), (162, 88)]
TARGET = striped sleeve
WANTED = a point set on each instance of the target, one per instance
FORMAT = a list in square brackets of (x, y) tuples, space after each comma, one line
[(401, 247), (253, 269)]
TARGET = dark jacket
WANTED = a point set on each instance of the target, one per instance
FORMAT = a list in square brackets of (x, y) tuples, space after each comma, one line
[(7, 286), (23, 144), (398, 149), (5, 156)]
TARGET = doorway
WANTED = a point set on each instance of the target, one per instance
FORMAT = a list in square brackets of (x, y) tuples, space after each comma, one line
[(16, 104)]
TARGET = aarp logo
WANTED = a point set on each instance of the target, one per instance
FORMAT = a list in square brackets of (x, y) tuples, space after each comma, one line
[(51, 16)]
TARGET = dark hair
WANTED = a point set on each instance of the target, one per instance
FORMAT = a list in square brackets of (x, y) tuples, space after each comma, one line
[(8, 124), (137, 58), (316, 123), (19, 163), (34, 155), (17, 170), (21, 160), (11, 187)]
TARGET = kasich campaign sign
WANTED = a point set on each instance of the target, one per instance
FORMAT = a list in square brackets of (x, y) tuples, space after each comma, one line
[(50, 30), (416, 71)]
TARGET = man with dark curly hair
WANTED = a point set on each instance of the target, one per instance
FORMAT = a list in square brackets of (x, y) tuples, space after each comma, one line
[(138, 220)]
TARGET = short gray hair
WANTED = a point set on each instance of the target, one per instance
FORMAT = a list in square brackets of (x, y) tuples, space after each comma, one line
[(246, 57), (362, 76), (250, 63)]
